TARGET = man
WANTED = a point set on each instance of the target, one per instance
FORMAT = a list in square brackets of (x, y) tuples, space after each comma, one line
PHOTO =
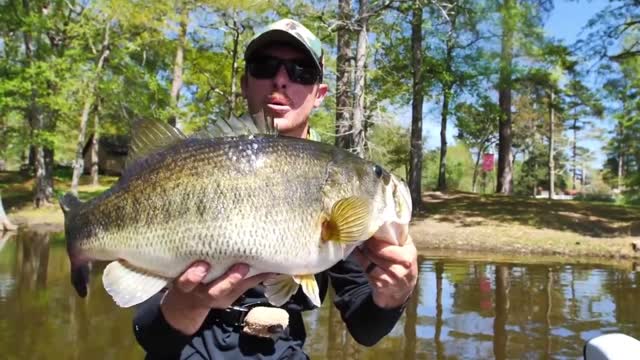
[(283, 77)]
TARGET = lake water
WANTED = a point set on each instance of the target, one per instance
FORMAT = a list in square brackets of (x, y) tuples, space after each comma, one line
[(463, 309)]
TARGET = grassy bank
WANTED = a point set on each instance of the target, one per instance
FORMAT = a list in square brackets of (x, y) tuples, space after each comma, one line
[(503, 224), (17, 196), (457, 221)]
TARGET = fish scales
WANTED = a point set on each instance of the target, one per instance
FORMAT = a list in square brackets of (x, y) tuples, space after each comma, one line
[(230, 213)]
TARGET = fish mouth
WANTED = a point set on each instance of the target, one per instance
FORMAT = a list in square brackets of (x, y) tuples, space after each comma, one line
[(399, 195)]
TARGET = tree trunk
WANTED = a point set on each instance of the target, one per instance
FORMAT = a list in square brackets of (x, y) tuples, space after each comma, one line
[(442, 171), (343, 77), (574, 150), (476, 167), (78, 167), (415, 156), (620, 158), (43, 185), (360, 76), (5, 223), (551, 147), (237, 29), (178, 64), (31, 109), (505, 173), (95, 145)]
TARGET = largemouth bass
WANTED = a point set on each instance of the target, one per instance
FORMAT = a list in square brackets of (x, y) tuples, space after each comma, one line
[(281, 205)]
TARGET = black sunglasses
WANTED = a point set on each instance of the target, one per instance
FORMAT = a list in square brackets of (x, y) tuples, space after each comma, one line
[(299, 71)]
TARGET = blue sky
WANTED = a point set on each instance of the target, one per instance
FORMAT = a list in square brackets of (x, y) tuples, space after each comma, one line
[(565, 23)]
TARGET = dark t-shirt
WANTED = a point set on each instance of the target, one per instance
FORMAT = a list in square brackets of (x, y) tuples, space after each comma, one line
[(220, 339)]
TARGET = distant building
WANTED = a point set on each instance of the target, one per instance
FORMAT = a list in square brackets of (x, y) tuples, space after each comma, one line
[(112, 153)]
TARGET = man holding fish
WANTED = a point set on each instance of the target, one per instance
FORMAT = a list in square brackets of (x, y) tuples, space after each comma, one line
[(199, 319)]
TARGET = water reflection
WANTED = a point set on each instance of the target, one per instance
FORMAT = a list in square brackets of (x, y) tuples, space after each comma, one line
[(461, 310)]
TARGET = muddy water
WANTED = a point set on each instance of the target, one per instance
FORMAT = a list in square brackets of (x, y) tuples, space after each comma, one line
[(463, 309)]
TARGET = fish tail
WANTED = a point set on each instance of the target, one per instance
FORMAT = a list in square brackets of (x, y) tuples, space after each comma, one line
[(80, 266)]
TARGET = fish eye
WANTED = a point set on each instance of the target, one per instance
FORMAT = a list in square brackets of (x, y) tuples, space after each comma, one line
[(378, 170)]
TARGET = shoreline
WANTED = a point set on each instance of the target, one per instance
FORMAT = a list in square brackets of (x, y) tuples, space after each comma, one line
[(440, 238)]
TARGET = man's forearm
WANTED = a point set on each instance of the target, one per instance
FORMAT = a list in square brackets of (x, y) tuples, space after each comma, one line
[(181, 314), (154, 334), (367, 322)]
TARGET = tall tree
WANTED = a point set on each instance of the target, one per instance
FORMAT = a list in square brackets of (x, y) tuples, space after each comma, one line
[(358, 128), (90, 94), (415, 162), (478, 127), (454, 61), (344, 81), (579, 104), (95, 143), (505, 175), (183, 8)]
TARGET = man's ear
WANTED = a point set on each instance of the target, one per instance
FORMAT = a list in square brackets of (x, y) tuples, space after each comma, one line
[(243, 85), (320, 94)]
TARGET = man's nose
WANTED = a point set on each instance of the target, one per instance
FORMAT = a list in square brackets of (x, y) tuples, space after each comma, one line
[(281, 79)]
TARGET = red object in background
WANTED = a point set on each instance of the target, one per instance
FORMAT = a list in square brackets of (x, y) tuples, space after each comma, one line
[(487, 162)]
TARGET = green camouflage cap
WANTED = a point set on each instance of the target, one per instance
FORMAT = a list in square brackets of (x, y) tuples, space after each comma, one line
[(291, 32)]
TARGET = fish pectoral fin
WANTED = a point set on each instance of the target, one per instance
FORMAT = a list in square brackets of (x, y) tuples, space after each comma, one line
[(348, 221), (309, 287), (280, 289), (130, 286)]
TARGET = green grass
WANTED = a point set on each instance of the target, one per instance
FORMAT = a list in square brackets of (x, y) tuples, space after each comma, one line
[(17, 194), (525, 225), (594, 219)]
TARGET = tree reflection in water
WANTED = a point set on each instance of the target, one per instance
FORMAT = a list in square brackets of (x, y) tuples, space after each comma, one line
[(460, 309)]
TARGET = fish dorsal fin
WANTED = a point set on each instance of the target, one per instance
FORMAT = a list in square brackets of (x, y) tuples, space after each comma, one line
[(69, 202), (243, 126), (265, 123), (150, 136)]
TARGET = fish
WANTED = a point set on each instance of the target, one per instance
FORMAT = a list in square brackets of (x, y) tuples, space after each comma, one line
[(282, 205)]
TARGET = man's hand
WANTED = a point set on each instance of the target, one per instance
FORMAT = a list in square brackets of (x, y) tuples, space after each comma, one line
[(187, 303), (392, 269)]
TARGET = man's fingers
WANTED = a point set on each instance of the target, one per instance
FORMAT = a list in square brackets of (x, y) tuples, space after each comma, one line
[(381, 252), (365, 258), (392, 233), (229, 280), (248, 283), (192, 276)]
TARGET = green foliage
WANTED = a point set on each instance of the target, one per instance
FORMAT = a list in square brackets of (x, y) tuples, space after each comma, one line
[(461, 60), (389, 147), (459, 168)]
